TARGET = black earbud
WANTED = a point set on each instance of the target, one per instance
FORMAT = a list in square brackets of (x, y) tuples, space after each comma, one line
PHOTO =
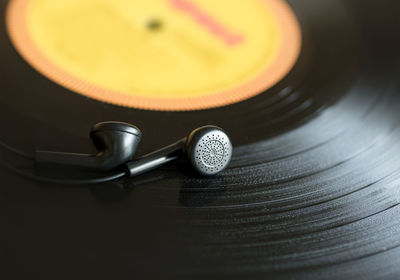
[(116, 143), (208, 149)]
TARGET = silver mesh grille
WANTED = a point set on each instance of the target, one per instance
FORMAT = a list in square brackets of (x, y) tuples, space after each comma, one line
[(213, 152)]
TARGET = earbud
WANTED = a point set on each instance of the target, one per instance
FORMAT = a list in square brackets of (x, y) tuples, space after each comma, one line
[(116, 143), (208, 149)]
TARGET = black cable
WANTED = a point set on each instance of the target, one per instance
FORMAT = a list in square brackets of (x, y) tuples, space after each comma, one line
[(16, 151), (25, 155), (104, 179)]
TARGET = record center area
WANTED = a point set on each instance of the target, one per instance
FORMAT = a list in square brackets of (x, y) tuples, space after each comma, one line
[(159, 54)]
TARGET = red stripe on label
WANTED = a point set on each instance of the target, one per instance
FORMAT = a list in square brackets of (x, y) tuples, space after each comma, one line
[(207, 21)]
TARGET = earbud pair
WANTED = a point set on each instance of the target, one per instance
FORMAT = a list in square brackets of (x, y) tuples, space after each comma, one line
[(207, 148)]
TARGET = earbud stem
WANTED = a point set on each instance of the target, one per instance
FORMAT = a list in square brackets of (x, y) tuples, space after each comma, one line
[(155, 159)]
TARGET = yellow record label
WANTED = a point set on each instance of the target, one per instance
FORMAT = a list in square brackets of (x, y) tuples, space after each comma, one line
[(158, 54)]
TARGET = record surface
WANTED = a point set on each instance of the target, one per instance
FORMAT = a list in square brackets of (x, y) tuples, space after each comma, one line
[(312, 189)]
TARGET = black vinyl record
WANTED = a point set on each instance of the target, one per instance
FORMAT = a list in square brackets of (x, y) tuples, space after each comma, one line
[(312, 191)]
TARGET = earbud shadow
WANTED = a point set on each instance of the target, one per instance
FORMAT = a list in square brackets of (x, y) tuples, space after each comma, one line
[(109, 192), (112, 192), (195, 190), (116, 191)]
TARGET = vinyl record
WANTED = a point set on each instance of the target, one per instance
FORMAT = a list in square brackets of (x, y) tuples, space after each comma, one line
[(312, 190)]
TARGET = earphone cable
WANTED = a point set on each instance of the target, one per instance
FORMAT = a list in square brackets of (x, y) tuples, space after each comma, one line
[(16, 151), (105, 179)]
